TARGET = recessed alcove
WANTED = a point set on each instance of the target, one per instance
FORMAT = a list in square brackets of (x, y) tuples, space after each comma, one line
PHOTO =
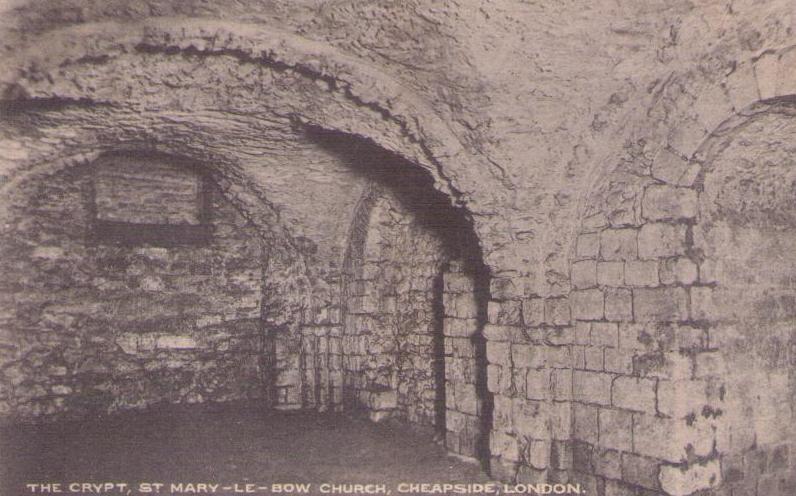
[(140, 198)]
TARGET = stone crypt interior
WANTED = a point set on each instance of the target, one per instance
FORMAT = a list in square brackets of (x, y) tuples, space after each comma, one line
[(267, 242)]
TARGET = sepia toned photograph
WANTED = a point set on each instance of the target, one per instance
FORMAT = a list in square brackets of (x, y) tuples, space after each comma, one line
[(398, 247)]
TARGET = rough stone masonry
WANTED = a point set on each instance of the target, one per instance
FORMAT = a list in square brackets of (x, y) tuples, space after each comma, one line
[(559, 234)]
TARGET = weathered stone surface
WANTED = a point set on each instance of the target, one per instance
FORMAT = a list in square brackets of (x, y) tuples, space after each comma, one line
[(618, 244), (587, 304), (683, 481), (616, 428), (668, 203), (619, 146), (592, 387), (661, 240), (660, 304), (633, 393)]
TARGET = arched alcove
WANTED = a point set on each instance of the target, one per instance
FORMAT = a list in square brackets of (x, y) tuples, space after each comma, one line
[(414, 299), (747, 297), (137, 282)]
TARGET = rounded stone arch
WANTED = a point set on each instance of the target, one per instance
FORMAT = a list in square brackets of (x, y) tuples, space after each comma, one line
[(681, 250), (414, 296), (687, 109), (360, 100), (183, 87)]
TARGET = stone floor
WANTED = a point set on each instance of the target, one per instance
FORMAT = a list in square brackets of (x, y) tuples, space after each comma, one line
[(225, 445)]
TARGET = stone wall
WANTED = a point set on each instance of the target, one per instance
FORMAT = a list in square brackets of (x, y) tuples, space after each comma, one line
[(468, 403), (638, 339), (668, 368), (91, 325), (391, 327), (415, 305)]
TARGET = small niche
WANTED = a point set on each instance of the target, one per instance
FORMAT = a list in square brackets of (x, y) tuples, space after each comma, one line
[(149, 199)]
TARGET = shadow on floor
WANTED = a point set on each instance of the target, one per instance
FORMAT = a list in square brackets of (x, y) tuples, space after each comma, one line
[(222, 444)]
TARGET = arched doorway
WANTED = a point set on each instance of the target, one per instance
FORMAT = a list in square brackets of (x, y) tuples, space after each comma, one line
[(415, 291)]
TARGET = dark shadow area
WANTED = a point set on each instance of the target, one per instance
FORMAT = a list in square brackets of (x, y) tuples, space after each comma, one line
[(413, 185), (438, 345)]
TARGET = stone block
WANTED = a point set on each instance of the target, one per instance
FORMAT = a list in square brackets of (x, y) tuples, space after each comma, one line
[(533, 311), (459, 328), (561, 420), (685, 138), (581, 333), (666, 304), (531, 418), (618, 244), (539, 453), (558, 357), (688, 479), (665, 365), (607, 463), (562, 384), (460, 305), (640, 471), (558, 336), (502, 412), (584, 274), (591, 387), (786, 74), (656, 240), (611, 273), (172, 342), (681, 398), (618, 360), (673, 169), (667, 439), (641, 273), (557, 311), (630, 336), (504, 445), (703, 304), (527, 356), (582, 457), (587, 245), (664, 202), (587, 304), (538, 384), (616, 429), (454, 421), (508, 312), (605, 334), (618, 304), (678, 270), (741, 86), (498, 353), (457, 282), (766, 69), (585, 423), (593, 358), (578, 357), (494, 332), (633, 393)]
